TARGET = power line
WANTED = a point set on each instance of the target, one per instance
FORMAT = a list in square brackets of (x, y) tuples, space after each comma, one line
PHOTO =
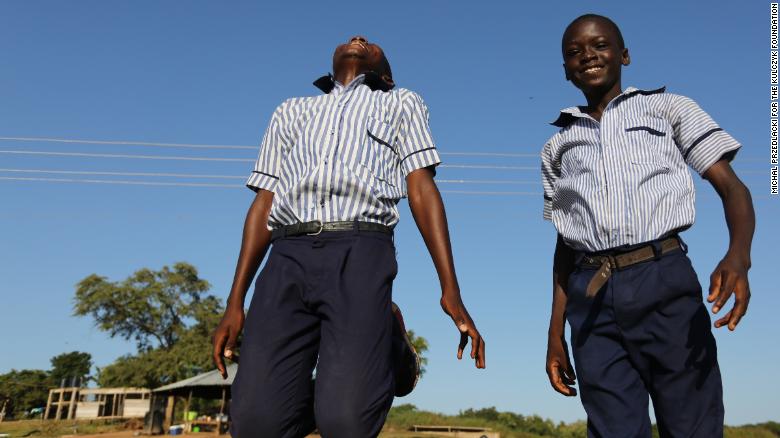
[(232, 186), (250, 160), (87, 172), (140, 157), (221, 146), (252, 147), (127, 143), (101, 181), (191, 175)]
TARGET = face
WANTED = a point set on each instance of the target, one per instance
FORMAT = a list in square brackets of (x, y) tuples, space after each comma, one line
[(593, 56), (367, 56)]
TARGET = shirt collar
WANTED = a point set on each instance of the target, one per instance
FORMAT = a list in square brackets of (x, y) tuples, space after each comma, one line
[(571, 114), (328, 83)]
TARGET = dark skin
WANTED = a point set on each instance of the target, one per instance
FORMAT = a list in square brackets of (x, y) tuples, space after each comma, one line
[(350, 60), (593, 60)]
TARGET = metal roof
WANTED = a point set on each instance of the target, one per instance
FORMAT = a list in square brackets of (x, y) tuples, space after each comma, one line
[(211, 378)]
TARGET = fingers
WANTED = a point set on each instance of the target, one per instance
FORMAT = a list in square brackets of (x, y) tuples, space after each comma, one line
[(724, 320), (741, 302), (568, 375), (558, 383), (481, 354), (230, 347), (714, 285), (727, 284), (464, 339), (220, 339), (467, 330)]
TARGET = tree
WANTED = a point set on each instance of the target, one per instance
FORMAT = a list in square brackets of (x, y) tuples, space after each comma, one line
[(69, 365), (421, 346), (24, 390), (149, 306), (166, 312), (189, 356)]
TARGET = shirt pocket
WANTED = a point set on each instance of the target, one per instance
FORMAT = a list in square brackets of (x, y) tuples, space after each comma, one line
[(649, 141), (381, 156), (651, 151)]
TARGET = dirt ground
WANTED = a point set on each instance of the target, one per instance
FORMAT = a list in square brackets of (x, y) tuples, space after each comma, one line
[(131, 433)]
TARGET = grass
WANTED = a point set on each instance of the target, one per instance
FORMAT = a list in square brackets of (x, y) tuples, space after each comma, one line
[(400, 419), (38, 428)]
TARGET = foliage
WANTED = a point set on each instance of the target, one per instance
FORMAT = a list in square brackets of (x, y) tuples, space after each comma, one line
[(68, 365), (189, 356), (166, 312), (149, 307), (420, 345), (24, 390)]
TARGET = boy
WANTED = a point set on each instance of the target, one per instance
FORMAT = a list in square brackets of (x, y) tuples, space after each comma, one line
[(617, 189), (330, 172)]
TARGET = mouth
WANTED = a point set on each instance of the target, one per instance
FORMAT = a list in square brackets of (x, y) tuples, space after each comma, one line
[(358, 43), (592, 69)]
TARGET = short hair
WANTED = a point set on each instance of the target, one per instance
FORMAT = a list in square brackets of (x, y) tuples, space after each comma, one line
[(600, 18)]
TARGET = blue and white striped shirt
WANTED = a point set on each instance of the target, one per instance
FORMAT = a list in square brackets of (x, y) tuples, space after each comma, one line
[(624, 180), (343, 156)]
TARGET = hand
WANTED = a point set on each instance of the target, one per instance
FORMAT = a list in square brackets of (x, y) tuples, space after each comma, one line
[(225, 337), (730, 276), (559, 369), (453, 306)]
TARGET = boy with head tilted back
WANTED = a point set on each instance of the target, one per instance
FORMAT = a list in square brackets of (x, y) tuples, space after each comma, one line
[(330, 173)]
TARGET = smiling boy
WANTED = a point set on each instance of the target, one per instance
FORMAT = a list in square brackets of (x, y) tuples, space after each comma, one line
[(617, 189)]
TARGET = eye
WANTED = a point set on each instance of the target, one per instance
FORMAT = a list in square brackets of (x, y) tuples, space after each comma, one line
[(572, 52), (602, 45)]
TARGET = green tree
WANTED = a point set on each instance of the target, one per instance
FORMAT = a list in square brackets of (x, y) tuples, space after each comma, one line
[(167, 313), (189, 356), (421, 346), (24, 390), (150, 307), (69, 365)]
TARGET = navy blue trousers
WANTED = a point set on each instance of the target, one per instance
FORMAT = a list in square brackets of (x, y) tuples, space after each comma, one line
[(646, 335), (319, 301)]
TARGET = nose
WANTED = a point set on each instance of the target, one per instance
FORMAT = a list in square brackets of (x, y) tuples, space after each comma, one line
[(359, 38), (587, 55)]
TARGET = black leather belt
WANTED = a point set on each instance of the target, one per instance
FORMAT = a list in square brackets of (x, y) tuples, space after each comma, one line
[(607, 263), (316, 227)]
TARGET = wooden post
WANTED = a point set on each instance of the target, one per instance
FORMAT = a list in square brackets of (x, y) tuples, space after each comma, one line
[(188, 425), (169, 410), (221, 411), (59, 403), (74, 396), (48, 406)]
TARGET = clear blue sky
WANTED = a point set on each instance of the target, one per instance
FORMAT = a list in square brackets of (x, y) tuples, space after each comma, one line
[(212, 72)]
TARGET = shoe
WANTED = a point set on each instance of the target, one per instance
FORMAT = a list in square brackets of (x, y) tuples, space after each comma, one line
[(406, 362)]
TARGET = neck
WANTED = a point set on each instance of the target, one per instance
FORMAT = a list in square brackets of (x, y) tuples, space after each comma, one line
[(598, 100), (347, 73)]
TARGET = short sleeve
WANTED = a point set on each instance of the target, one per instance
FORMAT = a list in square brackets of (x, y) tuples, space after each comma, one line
[(273, 149), (701, 141), (415, 142), (550, 174)]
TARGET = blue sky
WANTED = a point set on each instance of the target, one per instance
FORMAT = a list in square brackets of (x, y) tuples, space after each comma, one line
[(208, 72)]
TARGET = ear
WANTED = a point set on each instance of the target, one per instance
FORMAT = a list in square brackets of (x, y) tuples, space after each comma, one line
[(626, 57), (565, 72), (389, 81)]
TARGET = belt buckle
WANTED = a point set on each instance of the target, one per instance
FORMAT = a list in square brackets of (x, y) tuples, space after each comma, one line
[(318, 231)]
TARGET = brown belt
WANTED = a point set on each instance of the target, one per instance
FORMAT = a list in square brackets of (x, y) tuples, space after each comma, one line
[(607, 263)]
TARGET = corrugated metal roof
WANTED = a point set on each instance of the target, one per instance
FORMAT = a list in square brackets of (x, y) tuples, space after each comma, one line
[(211, 378)]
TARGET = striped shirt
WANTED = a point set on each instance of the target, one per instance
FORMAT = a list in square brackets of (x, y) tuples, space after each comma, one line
[(624, 180), (344, 155)]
